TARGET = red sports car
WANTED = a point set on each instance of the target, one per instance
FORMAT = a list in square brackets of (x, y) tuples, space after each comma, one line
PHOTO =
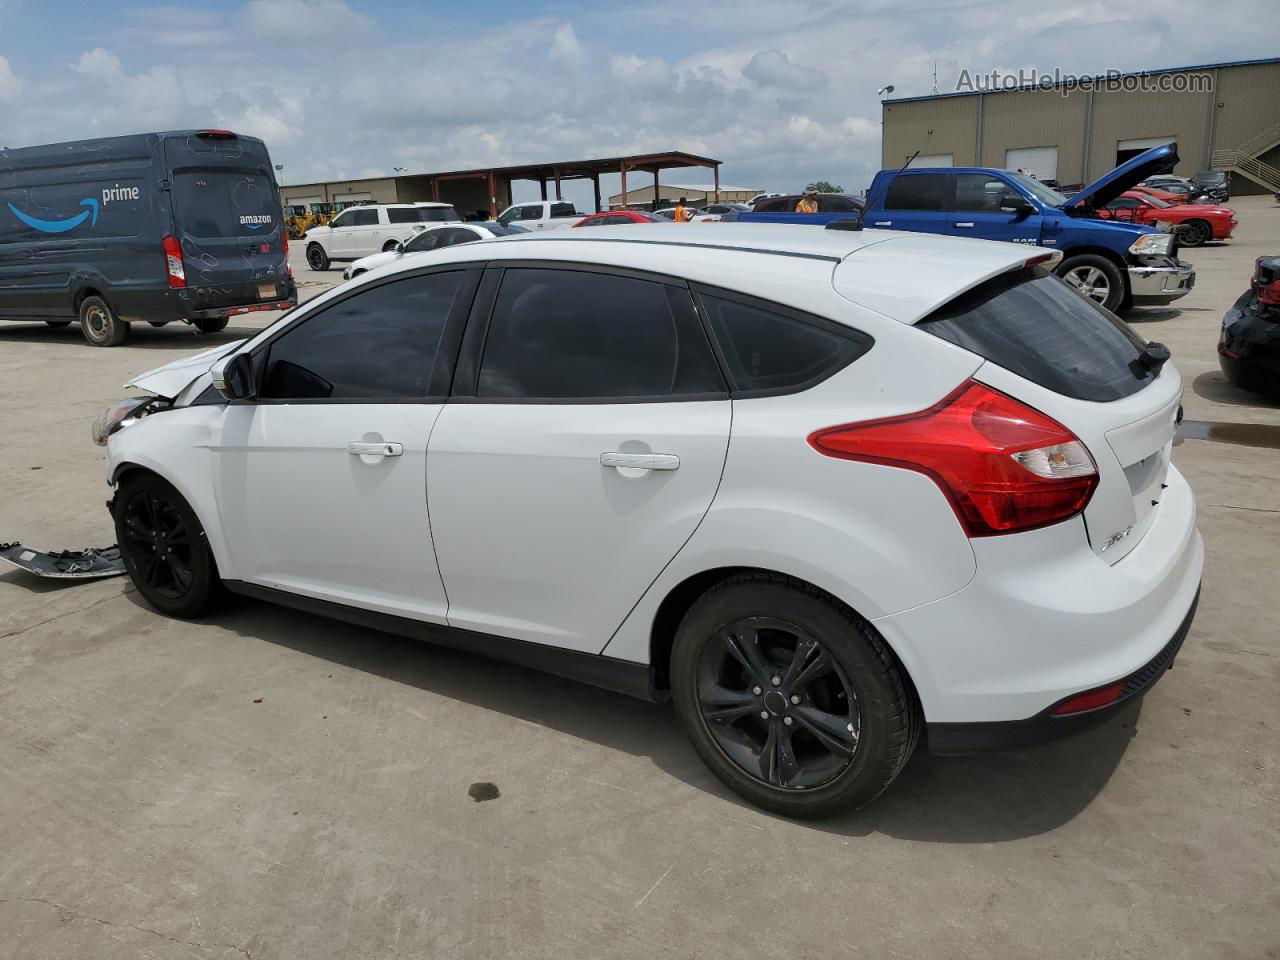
[(612, 218), (1173, 199), (1196, 223)]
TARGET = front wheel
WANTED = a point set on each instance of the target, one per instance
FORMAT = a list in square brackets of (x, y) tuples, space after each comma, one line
[(791, 699), (164, 547), (1194, 233), (99, 323), (391, 246), (1096, 278), (317, 259)]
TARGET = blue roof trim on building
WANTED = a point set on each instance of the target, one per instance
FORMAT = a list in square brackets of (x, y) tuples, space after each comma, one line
[(1100, 77)]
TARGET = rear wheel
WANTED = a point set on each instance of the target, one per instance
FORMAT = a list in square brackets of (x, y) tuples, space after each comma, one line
[(212, 324), (99, 323), (1194, 233), (790, 698), (1094, 277), (391, 246), (164, 547), (317, 259)]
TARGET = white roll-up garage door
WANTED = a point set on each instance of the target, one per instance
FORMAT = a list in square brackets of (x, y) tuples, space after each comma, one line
[(1040, 162), (934, 160)]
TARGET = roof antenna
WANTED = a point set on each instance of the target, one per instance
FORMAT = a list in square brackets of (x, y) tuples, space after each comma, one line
[(935, 77), (857, 224)]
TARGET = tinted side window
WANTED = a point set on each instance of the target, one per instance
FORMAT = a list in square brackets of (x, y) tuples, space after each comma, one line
[(836, 205), (768, 351), (341, 220), (531, 213), (378, 344), (455, 236), (425, 240), (402, 215), (364, 218), (918, 191), (979, 192), (566, 334), (563, 210), (776, 205)]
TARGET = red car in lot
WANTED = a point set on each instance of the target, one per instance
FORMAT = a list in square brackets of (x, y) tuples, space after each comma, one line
[(611, 218), (1196, 223), (1173, 199)]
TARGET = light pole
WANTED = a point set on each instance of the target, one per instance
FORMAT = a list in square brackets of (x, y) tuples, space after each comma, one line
[(888, 88), (400, 169), (279, 172)]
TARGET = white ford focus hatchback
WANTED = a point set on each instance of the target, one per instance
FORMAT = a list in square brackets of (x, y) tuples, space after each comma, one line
[(826, 490)]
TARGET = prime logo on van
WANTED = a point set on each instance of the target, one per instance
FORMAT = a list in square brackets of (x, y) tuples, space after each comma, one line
[(92, 206)]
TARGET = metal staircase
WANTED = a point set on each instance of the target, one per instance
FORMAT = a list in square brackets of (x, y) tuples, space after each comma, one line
[(1244, 159)]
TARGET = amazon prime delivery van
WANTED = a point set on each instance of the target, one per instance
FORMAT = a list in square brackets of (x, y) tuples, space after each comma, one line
[(151, 227)]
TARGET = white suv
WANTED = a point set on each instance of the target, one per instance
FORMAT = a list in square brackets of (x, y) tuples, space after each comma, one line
[(826, 490), (371, 228)]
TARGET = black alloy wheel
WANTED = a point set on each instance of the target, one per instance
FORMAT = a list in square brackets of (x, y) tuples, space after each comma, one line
[(777, 704), (1194, 233), (164, 547)]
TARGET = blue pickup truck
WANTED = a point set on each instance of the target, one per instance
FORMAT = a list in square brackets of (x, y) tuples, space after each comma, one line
[(1115, 264)]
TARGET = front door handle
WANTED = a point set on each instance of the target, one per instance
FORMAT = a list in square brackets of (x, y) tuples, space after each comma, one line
[(641, 461), (966, 223), (382, 448)]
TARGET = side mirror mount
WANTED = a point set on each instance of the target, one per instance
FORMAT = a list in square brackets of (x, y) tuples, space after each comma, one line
[(1016, 204), (400, 247), (233, 376)]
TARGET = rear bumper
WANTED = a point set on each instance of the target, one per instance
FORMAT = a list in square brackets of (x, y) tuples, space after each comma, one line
[(1046, 618), (1152, 285), (194, 303), (963, 738)]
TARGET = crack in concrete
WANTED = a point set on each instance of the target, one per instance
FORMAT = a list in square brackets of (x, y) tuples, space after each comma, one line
[(1232, 506), (65, 913), (59, 616)]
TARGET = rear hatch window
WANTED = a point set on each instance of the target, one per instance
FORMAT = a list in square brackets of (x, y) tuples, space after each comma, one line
[(1030, 322), (224, 203)]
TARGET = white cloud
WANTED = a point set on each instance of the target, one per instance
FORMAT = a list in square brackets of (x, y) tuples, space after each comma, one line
[(100, 64), (10, 82), (773, 68), (329, 20), (565, 47)]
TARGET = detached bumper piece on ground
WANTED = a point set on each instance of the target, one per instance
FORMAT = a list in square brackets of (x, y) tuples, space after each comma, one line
[(88, 564)]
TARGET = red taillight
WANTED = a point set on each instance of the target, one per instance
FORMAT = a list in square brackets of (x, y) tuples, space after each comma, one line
[(1269, 292), (1004, 466), (216, 134), (173, 262), (1090, 700)]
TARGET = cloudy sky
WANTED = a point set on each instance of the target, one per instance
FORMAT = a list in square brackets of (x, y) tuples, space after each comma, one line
[(783, 91)]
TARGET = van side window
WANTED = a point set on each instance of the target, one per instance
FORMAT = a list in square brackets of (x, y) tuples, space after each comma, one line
[(918, 191)]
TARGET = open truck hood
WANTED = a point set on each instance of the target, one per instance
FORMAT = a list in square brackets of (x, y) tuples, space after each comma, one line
[(168, 381), (1150, 163)]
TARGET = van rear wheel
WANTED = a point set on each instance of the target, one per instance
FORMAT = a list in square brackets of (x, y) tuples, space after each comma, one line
[(99, 323), (212, 325)]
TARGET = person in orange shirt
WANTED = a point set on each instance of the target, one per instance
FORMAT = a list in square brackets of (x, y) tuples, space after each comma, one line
[(808, 203), (681, 214)]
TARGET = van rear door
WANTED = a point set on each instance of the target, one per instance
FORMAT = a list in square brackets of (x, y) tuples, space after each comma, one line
[(226, 216)]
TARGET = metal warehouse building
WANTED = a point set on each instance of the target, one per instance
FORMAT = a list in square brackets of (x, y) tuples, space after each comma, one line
[(1228, 118)]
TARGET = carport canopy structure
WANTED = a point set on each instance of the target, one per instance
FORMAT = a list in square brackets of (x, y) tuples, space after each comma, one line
[(551, 176)]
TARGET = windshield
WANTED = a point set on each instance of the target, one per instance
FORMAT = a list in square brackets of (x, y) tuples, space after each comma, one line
[(224, 203), (1211, 176), (1155, 201), (1046, 195)]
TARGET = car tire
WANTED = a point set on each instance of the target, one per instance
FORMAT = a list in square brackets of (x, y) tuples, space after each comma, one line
[(212, 324), (835, 720), (1194, 233), (390, 246), (1096, 278), (58, 323), (317, 259), (99, 323), (164, 547)]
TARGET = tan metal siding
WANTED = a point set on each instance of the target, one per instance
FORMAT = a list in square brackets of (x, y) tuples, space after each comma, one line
[(1250, 98), (1123, 115), (1040, 118), (948, 125)]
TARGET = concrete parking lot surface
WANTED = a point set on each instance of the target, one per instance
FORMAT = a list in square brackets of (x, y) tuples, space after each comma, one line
[(268, 784)]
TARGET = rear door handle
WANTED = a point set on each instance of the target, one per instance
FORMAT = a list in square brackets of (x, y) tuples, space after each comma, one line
[(641, 461), (383, 448), (966, 223)]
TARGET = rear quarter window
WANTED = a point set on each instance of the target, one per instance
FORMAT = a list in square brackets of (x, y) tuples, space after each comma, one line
[(773, 350), (1031, 323)]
